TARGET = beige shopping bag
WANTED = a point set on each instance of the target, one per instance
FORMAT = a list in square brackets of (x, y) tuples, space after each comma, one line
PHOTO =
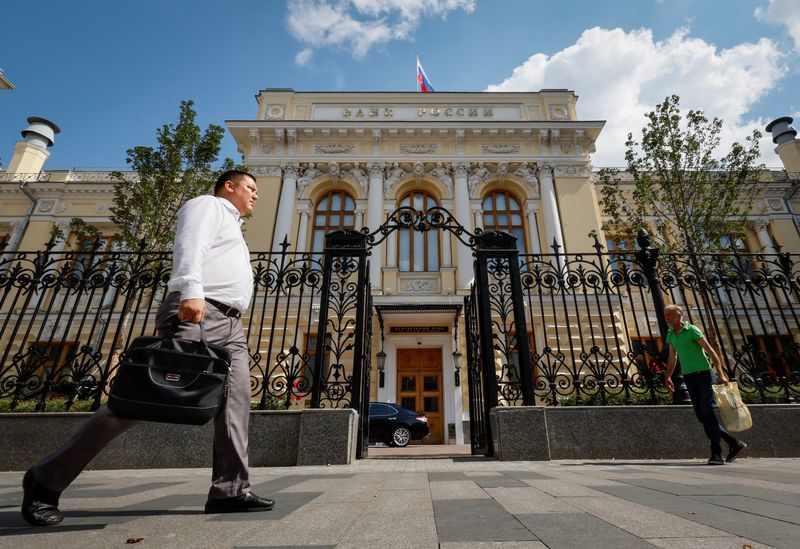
[(733, 413)]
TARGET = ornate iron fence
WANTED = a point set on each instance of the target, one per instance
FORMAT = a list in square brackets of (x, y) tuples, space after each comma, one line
[(66, 316), (596, 327)]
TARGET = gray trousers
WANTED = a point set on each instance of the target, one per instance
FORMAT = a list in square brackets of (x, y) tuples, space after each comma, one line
[(230, 467)]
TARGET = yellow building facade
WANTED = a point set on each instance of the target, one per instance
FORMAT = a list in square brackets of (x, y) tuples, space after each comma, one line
[(516, 162)]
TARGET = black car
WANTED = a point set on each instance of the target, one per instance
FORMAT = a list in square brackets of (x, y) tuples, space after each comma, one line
[(395, 425)]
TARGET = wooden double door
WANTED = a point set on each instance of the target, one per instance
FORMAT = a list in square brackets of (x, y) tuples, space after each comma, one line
[(419, 387)]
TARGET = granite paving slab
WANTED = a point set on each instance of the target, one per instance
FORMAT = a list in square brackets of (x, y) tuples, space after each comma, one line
[(559, 488), (639, 520), (443, 476), (477, 520), (95, 492), (579, 531), (766, 474), (529, 500), (493, 545), (315, 524), (498, 481), (730, 542), (452, 490), (764, 530), (768, 509)]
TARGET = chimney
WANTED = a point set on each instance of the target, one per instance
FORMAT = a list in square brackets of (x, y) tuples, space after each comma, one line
[(788, 146), (31, 153)]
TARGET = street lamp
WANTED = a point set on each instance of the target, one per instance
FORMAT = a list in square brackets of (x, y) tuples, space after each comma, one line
[(457, 366), (381, 357), (456, 353)]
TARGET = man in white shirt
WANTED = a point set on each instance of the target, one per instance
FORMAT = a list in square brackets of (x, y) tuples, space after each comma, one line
[(212, 282)]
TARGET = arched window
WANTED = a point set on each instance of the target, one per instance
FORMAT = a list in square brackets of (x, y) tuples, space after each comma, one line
[(335, 210), (418, 251), (502, 212)]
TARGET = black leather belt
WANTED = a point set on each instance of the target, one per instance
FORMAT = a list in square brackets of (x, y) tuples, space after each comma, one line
[(227, 310)]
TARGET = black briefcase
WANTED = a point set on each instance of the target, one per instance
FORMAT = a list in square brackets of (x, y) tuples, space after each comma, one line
[(171, 380)]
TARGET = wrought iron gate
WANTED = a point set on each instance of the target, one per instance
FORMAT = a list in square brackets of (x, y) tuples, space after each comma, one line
[(494, 315), (342, 358)]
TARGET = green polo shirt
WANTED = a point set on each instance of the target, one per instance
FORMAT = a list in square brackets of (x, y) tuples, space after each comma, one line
[(692, 356)]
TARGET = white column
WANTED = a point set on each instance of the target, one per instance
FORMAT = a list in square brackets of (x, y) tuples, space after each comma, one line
[(283, 223), (552, 220), (391, 244), (533, 228), (359, 221), (302, 231), (764, 240), (477, 216), (461, 200), (374, 214), (16, 236), (63, 228), (447, 260)]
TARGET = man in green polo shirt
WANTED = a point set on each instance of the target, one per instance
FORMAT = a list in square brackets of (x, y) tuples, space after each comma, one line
[(687, 343)]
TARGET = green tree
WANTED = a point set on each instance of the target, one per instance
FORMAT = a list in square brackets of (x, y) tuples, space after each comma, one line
[(177, 169), (693, 199)]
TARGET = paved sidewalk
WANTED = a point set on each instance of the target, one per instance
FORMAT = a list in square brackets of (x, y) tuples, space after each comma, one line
[(451, 502)]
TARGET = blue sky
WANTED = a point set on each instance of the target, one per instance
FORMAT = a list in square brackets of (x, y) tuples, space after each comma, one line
[(110, 72)]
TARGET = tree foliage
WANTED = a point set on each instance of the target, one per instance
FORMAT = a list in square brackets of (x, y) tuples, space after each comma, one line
[(679, 188), (177, 169)]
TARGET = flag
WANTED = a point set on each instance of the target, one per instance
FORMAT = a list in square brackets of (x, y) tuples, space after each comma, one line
[(423, 84)]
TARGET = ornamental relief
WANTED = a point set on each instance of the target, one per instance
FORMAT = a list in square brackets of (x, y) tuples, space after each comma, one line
[(775, 204), (311, 173), (47, 205), (558, 112), (400, 171), (265, 171), (275, 112), (419, 149), (334, 148), (571, 171), (500, 149), (419, 285), (484, 172), (100, 177)]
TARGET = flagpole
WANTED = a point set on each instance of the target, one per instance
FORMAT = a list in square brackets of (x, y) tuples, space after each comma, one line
[(416, 73)]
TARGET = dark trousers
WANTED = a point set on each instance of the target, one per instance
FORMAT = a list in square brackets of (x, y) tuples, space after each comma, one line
[(230, 462), (705, 408)]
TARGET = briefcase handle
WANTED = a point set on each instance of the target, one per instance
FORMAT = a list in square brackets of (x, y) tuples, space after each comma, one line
[(167, 340)]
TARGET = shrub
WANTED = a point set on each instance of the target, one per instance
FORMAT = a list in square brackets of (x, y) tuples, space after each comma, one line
[(53, 404), (594, 398)]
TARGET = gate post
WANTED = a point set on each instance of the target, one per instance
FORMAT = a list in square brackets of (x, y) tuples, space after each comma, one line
[(500, 246), (345, 254), (647, 257)]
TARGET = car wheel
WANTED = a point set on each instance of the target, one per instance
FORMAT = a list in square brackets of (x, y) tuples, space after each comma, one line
[(400, 436)]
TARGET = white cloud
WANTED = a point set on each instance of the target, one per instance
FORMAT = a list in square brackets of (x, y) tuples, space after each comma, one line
[(783, 12), (303, 56), (358, 25), (619, 76)]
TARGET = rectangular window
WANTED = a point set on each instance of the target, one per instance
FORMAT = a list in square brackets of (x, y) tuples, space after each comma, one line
[(646, 353), (622, 251), (774, 354)]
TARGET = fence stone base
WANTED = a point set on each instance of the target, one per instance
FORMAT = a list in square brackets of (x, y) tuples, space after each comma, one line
[(632, 432), (277, 438)]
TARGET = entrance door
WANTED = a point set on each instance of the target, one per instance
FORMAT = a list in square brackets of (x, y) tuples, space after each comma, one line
[(419, 387)]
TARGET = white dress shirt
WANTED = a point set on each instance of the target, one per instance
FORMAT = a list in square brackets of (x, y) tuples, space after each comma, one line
[(210, 257)]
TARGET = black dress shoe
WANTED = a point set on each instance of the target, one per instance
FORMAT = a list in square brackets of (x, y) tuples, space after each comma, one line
[(246, 503), (39, 505)]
